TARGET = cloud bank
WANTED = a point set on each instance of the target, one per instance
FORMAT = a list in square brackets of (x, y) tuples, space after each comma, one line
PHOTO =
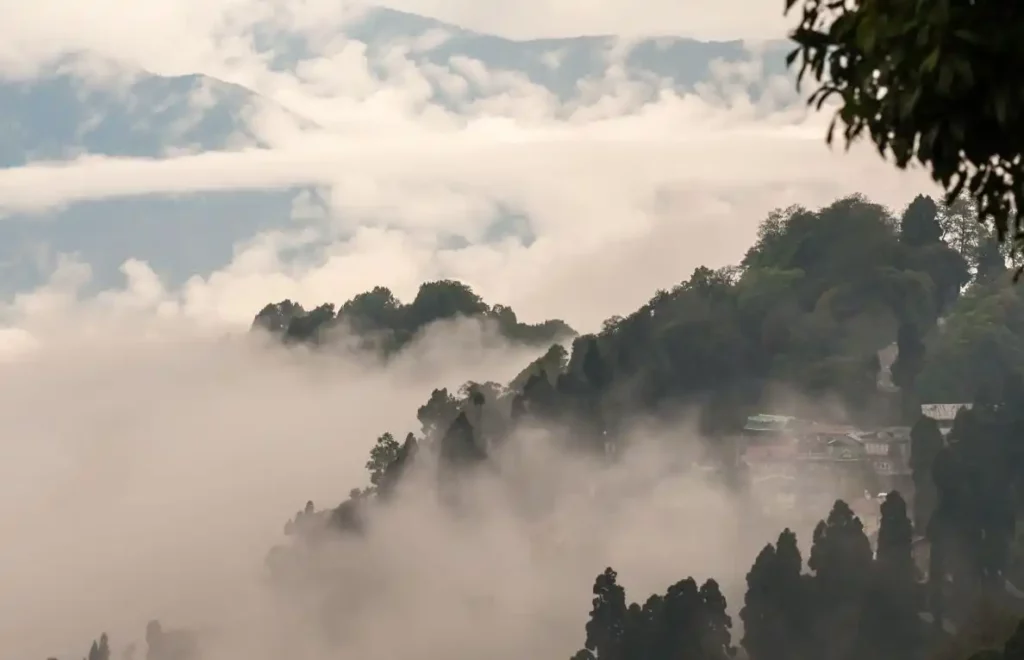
[(523, 195), (148, 472)]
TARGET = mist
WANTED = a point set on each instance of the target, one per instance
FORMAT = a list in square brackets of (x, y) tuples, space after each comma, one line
[(147, 476)]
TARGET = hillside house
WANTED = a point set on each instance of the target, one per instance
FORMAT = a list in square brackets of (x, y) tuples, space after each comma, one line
[(828, 456), (887, 451)]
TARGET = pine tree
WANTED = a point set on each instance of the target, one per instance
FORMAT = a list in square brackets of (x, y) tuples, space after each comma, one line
[(841, 559), (890, 628), (100, 650), (774, 608), (764, 638)]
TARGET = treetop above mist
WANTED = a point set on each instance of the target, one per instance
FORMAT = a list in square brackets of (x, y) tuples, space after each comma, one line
[(814, 304), (382, 322)]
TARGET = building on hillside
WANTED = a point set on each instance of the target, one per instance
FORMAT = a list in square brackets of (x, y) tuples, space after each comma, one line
[(841, 459), (944, 413), (768, 445), (769, 425), (888, 452)]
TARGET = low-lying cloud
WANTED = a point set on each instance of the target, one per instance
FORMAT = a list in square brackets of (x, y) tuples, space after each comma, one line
[(147, 474)]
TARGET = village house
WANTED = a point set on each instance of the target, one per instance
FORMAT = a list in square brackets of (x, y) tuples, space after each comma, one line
[(820, 457), (888, 452)]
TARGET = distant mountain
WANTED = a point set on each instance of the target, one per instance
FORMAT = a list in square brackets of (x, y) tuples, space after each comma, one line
[(558, 65), (62, 116)]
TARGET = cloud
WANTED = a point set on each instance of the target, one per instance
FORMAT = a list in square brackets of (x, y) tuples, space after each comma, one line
[(148, 469), (633, 173), (145, 459), (194, 32)]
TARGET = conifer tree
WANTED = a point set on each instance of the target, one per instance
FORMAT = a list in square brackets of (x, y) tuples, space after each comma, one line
[(775, 605), (890, 628), (841, 559)]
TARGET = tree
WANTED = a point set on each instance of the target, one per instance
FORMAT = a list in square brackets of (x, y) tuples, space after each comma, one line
[(714, 623), (920, 223), (686, 622), (961, 229), (275, 318), (100, 650), (889, 627), (926, 442), (382, 455), (935, 83), (606, 629), (396, 469), (459, 446), (841, 559), (991, 264), (909, 362), (381, 323), (774, 613), (438, 412)]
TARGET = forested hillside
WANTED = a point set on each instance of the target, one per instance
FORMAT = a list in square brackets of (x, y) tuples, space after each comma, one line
[(808, 310), (809, 317), (383, 323)]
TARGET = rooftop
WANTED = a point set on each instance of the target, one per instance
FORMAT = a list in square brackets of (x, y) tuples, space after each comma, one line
[(768, 423), (943, 412)]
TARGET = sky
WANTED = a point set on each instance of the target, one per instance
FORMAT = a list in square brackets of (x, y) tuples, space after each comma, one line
[(124, 416)]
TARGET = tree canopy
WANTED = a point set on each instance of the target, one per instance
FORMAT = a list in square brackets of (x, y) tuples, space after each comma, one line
[(934, 83), (383, 323)]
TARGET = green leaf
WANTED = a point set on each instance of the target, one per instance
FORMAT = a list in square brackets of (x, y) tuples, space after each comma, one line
[(931, 61)]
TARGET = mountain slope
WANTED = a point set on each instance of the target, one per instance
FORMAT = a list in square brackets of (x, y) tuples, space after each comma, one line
[(62, 116)]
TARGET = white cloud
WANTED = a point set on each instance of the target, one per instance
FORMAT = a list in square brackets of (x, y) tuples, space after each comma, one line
[(672, 184)]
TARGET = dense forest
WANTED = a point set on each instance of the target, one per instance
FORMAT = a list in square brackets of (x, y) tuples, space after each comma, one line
[(860, 312), (382, 323)]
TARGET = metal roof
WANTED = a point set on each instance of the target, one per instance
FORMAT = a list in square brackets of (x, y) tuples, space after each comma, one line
[(767, 422), (943, 412)]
